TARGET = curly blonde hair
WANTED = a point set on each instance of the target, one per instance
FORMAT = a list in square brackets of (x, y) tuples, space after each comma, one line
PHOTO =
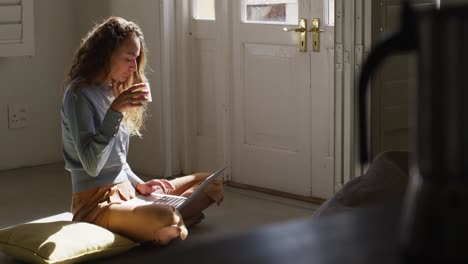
[(93, 57)]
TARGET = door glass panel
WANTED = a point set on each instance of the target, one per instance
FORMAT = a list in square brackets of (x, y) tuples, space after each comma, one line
[(270, 11), (204, 9)]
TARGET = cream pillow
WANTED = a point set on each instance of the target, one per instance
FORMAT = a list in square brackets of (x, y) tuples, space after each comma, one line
[(61, 242)]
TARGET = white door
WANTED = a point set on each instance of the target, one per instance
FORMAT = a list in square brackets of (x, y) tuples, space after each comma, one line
[(206, 90), (282, 99)]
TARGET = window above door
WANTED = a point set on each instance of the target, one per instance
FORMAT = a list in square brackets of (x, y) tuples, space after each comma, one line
[(270, 11), (204, 10)]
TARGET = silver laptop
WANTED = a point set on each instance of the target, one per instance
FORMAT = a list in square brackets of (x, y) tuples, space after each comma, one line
[(178, 202)]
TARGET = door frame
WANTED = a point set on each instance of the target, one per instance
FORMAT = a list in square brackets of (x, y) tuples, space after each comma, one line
[(352, 44), (170, 160)]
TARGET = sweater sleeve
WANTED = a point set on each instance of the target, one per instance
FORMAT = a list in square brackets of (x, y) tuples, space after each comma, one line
[(93, 144), (132, 177)]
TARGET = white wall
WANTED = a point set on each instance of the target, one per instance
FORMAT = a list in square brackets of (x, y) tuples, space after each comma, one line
[(87, 14), (146, 154), (37, 82)]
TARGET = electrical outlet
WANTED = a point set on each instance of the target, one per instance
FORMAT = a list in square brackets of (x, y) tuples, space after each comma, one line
[(18, 116)]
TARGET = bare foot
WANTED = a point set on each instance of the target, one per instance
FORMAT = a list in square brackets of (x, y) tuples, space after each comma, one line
[(166, 234)]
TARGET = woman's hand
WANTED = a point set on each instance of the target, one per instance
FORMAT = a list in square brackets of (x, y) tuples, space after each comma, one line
[(130, 98), (158, 186)]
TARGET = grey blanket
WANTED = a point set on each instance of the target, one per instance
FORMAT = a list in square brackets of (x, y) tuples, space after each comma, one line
[(383, 184)]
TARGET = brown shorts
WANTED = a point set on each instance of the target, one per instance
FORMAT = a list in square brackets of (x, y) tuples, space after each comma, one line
[(104, 206)]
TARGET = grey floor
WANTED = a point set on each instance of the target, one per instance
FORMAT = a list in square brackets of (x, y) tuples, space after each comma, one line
[(31, 194)]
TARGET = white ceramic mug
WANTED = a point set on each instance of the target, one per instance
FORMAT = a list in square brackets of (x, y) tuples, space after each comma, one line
[(146, 88), (150, 99)]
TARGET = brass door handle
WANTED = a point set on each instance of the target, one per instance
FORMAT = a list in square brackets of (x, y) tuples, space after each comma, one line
[(315, 29), (302, 29), (294, 29)]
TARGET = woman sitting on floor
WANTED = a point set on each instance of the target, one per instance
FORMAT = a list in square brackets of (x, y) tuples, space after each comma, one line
[(103, 105)]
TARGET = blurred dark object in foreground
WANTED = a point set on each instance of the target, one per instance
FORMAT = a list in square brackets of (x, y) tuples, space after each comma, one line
[(435, 210)]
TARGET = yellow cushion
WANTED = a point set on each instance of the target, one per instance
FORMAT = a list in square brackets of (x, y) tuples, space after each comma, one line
[(61, 242)]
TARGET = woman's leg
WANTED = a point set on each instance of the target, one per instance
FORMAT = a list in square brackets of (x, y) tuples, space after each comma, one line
[(186, 185), (157, 223)]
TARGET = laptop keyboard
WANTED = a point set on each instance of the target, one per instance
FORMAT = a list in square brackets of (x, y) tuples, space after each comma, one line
[(174, 201)]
